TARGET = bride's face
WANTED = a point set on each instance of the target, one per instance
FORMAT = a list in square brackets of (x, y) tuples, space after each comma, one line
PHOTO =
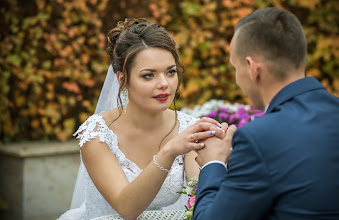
[(153, 80)]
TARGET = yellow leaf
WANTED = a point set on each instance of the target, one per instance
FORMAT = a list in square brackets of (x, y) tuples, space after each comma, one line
[(83, 116), (35, 123), (20, 100)]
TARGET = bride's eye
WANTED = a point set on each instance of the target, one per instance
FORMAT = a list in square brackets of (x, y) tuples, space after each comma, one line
[(148, 76), (172, 72)]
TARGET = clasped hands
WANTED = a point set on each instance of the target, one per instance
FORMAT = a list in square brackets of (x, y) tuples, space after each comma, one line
[(215, 142), (210, 139)]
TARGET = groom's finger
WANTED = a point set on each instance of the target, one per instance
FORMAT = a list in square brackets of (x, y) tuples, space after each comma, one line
[(229, 135), (224, 126)]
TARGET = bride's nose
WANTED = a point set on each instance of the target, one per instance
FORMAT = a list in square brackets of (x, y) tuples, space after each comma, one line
[(162, 83)]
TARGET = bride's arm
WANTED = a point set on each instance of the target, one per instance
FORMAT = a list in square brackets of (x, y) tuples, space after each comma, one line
[(131, 199), (191, 166), (128, 199)]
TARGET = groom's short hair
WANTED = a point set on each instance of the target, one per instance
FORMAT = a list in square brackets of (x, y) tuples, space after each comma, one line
[(275, 34)]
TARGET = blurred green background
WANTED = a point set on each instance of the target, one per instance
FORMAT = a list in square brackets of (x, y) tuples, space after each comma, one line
[(53, 61)]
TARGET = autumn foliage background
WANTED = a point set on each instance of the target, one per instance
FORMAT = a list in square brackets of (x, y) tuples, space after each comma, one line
[(53, 61)]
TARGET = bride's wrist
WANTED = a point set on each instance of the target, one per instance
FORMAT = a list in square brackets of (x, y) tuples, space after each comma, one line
[(164, 160), (167, 153)]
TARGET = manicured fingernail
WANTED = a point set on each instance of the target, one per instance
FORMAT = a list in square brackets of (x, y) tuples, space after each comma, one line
[(212, 132), (221, 129), (202, 145), (219, 125)]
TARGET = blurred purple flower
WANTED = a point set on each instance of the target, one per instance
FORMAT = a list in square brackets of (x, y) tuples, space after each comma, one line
[(242, 122), (233, 118), (212, 114), (239, 118), (241, 110), (258, 114), (225, 110), (257, 111), (223, 116)]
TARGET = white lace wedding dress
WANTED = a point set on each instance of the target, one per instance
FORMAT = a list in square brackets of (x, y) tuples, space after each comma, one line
[(95, 205)]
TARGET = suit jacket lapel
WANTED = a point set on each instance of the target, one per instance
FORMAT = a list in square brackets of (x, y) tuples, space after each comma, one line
[(294, 89)]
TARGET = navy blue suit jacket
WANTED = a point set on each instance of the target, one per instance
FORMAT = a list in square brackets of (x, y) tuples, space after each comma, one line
[(284, 165)]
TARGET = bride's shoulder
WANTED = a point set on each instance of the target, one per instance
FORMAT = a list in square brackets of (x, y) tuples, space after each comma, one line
[(110, 115), (101, 119), (95, 125)]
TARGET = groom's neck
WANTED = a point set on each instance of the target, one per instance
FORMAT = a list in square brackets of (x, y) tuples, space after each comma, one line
[(271, 86)]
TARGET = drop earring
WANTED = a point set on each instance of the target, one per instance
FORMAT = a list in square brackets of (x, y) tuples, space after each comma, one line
[(124, 99)]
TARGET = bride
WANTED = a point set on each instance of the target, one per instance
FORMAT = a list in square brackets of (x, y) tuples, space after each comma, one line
[(135, 151)]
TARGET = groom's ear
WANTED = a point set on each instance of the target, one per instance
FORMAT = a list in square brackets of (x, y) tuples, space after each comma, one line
[(120, 77), (254, 66)]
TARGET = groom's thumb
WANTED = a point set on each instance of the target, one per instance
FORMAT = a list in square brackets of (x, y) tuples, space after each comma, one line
[(229, 133)]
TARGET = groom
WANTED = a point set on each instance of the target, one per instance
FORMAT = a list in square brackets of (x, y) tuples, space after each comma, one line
[(284, 165)]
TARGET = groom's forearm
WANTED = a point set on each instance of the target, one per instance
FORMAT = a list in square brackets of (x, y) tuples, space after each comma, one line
[(210, 180), (245, 192)]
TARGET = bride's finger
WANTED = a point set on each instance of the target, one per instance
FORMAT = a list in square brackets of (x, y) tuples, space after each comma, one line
[(203, 135), (210, 120), (220, 132), (201, 126), (195, 146)]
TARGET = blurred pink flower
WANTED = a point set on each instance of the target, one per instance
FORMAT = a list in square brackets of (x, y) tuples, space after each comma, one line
[(190, 202)]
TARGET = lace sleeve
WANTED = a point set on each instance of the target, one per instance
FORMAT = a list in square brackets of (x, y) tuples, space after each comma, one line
[(93, 127), (185, 120)]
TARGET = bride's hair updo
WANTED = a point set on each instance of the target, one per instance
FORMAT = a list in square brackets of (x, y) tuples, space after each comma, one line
[(130, 37)]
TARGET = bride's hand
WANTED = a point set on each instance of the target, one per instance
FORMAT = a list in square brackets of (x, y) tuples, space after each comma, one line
[(188, 140)]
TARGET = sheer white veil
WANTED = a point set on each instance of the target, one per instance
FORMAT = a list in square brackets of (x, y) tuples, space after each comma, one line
[(109, 93), (108, 100)]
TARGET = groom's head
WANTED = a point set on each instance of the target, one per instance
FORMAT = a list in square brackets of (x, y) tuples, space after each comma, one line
[(270, 41)]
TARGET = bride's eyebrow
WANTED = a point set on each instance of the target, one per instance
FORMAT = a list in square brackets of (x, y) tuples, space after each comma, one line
[(153, 70)]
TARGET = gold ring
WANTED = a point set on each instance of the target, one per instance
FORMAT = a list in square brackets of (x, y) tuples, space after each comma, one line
[(192, 137)]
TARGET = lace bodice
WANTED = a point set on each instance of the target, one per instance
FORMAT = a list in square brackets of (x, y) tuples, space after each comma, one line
[(95, 205)]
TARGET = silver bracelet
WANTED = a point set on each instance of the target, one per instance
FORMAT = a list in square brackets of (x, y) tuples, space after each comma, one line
[(160, 167)]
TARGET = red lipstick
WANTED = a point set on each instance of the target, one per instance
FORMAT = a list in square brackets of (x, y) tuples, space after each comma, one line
[(162, 97)]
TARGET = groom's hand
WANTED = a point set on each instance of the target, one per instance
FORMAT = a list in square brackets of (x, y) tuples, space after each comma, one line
[(215, 148)]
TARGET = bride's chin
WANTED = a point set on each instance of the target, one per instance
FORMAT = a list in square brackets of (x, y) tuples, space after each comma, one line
[(160, 109)]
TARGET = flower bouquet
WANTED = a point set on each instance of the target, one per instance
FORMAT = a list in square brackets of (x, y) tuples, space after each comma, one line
[(190, 190)]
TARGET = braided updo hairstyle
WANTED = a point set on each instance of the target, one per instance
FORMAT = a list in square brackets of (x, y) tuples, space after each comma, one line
[(129, 38)]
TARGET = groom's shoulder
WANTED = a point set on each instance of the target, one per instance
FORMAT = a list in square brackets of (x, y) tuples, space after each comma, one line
[(264, 126)]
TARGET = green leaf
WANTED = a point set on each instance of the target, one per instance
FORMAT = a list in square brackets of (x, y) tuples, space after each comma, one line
[(46, 64), (190, 8), (14, 59)]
